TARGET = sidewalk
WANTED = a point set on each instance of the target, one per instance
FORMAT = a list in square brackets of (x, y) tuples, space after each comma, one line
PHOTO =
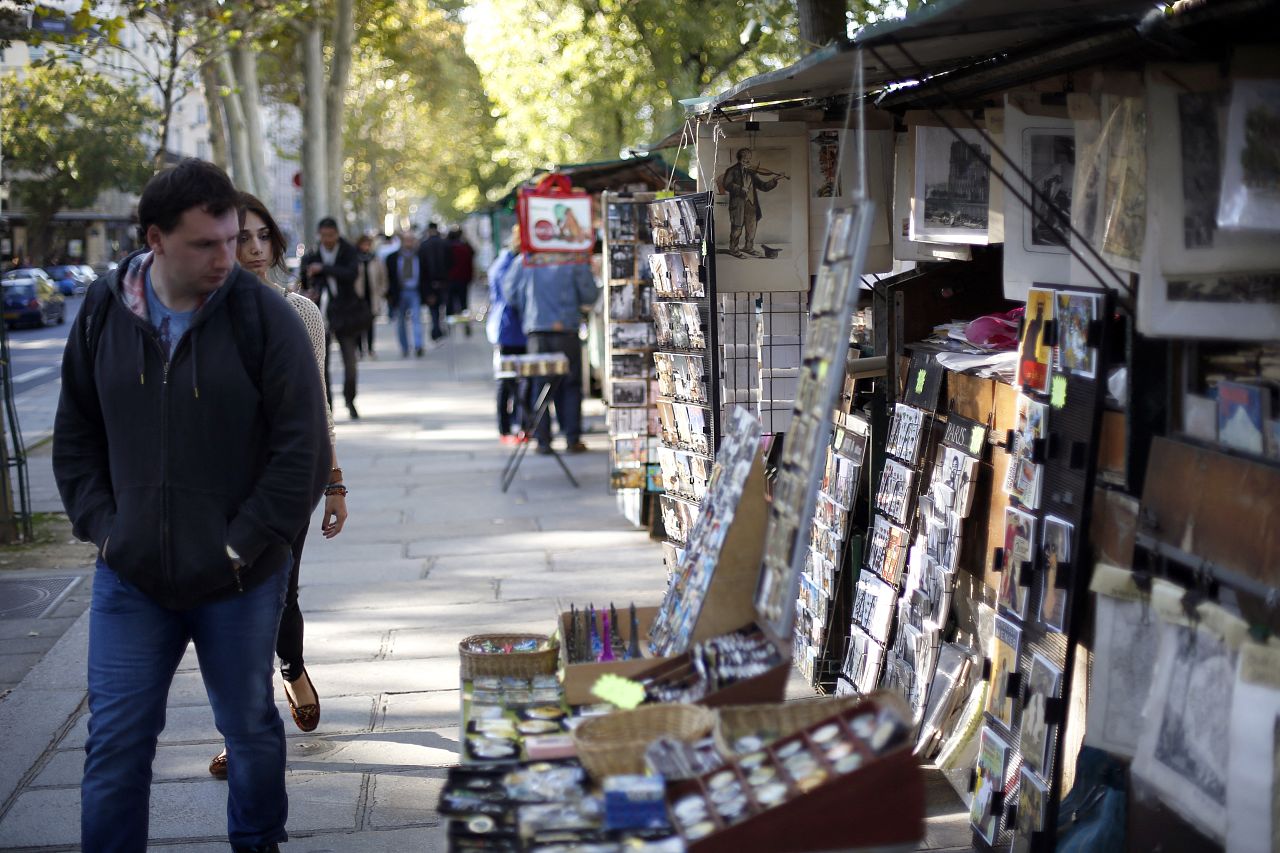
[(433, 551)]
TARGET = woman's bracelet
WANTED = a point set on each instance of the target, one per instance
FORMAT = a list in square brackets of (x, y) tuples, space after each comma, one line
[(335, 489)]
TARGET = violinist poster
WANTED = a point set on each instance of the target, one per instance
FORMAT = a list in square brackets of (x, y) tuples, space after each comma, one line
[(760, 192)]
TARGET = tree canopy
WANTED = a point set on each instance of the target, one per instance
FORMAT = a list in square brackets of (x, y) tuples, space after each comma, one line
[(68, 136)]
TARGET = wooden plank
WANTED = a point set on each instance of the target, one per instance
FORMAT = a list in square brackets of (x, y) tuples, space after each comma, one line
[(1218, 506)]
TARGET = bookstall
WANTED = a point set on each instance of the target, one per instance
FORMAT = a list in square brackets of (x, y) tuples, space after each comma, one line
[(1017, 521)]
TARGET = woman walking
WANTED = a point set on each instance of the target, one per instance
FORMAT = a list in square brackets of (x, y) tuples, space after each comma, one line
[(261, 249)]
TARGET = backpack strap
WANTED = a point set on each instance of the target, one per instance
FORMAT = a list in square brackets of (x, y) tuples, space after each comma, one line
[(249, 329), (97, 302)]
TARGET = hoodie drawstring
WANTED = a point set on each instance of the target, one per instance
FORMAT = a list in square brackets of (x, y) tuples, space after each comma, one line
[(195, 363), (142, 365)]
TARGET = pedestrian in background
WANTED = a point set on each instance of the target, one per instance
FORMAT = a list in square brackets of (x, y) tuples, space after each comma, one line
[(433, 256), (461, 271), (405, 284), (503, 330), (190, 447), (330, 270), (551, 292), (371, 286)]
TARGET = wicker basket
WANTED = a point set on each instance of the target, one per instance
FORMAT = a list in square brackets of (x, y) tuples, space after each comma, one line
[(514, 664), (615, 743), (773, 721)]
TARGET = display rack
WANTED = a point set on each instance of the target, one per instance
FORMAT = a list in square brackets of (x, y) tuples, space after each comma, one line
[(628, 357), (685, 359)]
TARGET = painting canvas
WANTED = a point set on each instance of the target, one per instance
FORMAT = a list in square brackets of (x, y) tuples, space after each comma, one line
[(759, 188), (1037, 235), (952, 185)]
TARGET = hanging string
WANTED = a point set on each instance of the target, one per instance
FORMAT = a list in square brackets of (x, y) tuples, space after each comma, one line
[(684, 138)]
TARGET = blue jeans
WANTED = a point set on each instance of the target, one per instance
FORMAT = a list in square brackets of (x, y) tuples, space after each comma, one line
[(409, 306), (567, 398), (135, 646)]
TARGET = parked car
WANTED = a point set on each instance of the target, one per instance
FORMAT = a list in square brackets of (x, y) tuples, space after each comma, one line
[(69, 279), (90, 275), (32, 301), (27, 272)]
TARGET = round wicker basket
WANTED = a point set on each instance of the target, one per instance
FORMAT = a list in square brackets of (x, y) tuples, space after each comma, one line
[(514, 664), (614, 744)]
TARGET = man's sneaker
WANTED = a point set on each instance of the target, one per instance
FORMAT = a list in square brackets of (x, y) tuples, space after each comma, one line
[(418, 352), (577, 447), (544, 450)]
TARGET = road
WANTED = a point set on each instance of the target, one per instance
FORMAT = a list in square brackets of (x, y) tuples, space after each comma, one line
[(37, 353)]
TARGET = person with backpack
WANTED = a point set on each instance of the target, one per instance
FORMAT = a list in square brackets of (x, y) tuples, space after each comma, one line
[(190, 447), (261, 249), (502, 327)]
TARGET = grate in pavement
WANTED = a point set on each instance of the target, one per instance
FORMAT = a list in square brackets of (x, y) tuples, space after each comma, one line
[(24, 598)]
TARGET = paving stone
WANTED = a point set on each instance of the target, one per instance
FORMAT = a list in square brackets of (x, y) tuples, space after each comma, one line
[(427, 710), (405, 800), (382, 750)]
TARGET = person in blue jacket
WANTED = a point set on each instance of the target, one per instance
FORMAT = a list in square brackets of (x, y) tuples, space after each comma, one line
[(503, 330), (551, 291)]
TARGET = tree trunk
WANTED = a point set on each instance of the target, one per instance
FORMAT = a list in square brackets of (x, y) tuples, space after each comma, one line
[(240, 164), (213, 107), (821, 21), (315, 202), (335, 96), (170, 81), (246, 66)]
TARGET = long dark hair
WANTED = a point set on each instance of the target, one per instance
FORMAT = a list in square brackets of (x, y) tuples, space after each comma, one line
[(249, 202)]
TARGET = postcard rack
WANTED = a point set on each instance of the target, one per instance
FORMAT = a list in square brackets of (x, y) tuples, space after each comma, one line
[(628, 358), (685, 359), (1043, 568)]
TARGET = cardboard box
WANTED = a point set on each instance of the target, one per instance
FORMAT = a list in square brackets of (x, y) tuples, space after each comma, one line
[(579, 678)]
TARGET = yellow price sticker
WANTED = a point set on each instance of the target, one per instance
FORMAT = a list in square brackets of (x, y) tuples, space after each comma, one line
[(920, 377), (616, 690), (1058, 392)]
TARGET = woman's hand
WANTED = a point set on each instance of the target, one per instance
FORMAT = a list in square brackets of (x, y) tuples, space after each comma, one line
[(335, 515)]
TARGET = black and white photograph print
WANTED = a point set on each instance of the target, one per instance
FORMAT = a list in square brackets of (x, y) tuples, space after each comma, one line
[(1126, 641), (1188, 106), (1042, 685), (760, 205), (1051, 156), (622, 262), (630, 335), (628, 393), (954, 181), (1251, 174), (623, 221), (1037, 235), (628, 365), (622, 302), (1187, 725)]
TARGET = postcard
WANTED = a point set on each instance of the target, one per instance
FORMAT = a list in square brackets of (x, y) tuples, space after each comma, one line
[(1035, 355), (984, 814), (1076, 313), (1242, 411), (1005, 644), (1043, 684), (1022, 480), (1032, 794), (1019, 558), (1057, 557)]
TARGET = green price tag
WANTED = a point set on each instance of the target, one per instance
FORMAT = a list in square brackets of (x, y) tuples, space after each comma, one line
[(619, 691), (920, 377), (1058, 392), (661, 194), (975, 442)]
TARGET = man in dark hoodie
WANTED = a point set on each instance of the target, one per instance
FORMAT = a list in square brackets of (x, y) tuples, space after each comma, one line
[(190, 446)]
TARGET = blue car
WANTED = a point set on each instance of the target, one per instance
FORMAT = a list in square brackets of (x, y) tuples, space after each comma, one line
[(69, 279), (32, 302)]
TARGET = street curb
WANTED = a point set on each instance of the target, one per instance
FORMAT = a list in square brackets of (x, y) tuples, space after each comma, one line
[(40, 709)]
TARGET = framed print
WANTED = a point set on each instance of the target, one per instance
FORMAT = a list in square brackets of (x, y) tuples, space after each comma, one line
[(1036, 237), (905, 247), (759, 186), (833, 182), (1189, 106), (952, 183)]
